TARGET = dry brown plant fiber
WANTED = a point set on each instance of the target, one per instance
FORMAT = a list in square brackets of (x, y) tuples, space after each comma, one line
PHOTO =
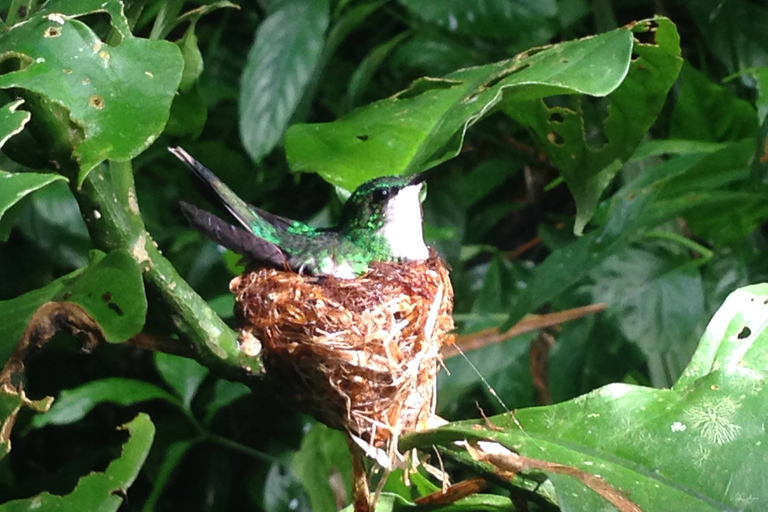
[(360, 355)]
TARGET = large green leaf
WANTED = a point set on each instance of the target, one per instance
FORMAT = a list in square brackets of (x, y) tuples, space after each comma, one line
[(706, 111), (100, 85), (281, 62), (658, 299), (74, 404), (424, 125), (102, 491), (110, 290), (693, 447), (589, 166)]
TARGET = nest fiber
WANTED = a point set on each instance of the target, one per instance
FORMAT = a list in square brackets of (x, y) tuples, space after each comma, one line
[(360, 354)]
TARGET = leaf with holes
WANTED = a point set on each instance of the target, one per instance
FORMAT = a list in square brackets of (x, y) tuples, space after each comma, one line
[(62, 60), (103, 491), (110, 289), (691, 447), (424, 125), (589, 166)]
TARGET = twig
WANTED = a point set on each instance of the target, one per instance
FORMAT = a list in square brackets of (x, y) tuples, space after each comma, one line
[(108, 203), (529, 323)]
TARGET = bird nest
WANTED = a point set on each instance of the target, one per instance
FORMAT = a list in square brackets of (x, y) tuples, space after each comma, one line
[(360, 355)]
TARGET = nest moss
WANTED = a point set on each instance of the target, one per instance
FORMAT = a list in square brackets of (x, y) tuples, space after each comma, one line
[(361, 355)]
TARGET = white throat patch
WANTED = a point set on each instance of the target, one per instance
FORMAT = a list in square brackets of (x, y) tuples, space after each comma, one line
[(403, 225)]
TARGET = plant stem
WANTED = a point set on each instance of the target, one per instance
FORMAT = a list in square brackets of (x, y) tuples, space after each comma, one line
[(234, 445), (107, 201), (705, 253)]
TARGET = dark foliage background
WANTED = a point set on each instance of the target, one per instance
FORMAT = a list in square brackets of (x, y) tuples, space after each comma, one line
[(495, 213)]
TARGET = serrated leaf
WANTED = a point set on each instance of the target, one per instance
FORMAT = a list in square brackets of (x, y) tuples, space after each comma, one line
[(424, 125), (100, 85), (103, 491), (281, 62), (692, 447), (74, 404)]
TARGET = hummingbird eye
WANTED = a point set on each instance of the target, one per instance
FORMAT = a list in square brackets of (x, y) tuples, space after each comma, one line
[(381, 194)]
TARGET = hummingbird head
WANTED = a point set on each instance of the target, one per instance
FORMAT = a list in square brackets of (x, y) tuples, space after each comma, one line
[(389, 207)]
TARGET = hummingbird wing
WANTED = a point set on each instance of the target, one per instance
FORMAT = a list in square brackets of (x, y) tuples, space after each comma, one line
[(234, 238), (260, 222)]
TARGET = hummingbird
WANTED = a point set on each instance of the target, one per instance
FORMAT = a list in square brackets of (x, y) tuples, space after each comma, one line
[(381, 221)]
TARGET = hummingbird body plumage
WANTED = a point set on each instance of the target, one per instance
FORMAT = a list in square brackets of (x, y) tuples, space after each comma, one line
[(381, 221)]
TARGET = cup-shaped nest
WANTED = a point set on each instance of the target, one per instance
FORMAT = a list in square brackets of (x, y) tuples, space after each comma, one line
[(360, 355)]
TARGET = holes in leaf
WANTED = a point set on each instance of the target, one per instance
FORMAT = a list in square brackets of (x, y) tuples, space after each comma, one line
[(22, 11), (362, 137), (647, 36), (106, 297), (556, 117), (114, 307), (634, 57), (555, 138), (745, 333), (52, 31), (96, 101)]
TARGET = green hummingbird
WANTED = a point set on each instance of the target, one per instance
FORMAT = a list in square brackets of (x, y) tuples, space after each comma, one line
[(381, 221)]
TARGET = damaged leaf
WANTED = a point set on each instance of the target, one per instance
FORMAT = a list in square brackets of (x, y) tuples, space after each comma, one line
[(109, 292), (665, 449), (62, 60), (103, 491), (424, 125), (588, 167)]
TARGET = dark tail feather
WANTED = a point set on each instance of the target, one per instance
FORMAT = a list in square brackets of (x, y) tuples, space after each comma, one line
[(234, 238)]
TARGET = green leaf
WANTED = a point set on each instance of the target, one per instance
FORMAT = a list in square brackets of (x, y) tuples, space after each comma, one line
[(706, 111), (184, 375), (425, 124), (16, 186), (224, 393), (658, 299), (110, 290), (100, 85), (281, 63), (692, 447), (99, 491), (323, 456), (74, 404), (12, 120), (171, 458), (589, 166), (530, 20)]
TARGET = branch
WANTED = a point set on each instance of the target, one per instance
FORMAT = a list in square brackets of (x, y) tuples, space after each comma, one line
[(529, 323), (107, 201)]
